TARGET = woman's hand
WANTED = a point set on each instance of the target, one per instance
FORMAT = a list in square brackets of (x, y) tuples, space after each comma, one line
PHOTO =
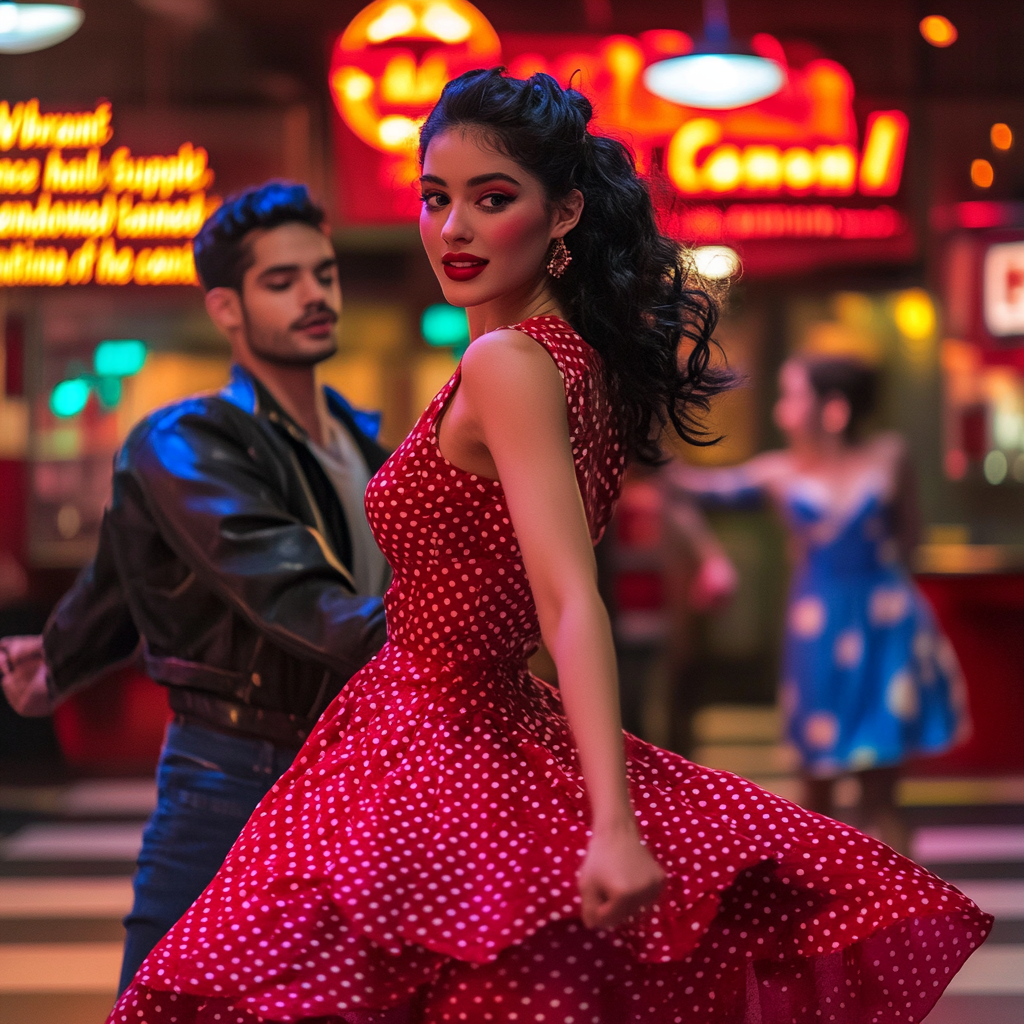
[(618, 878)]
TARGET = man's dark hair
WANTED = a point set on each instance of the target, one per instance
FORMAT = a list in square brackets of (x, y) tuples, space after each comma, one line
[(221, 252)]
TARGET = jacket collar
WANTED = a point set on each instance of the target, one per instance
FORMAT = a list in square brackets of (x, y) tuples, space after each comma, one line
[(245, 391)]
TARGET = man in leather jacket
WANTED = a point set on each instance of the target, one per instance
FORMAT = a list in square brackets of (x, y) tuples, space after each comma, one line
[(235, 558)]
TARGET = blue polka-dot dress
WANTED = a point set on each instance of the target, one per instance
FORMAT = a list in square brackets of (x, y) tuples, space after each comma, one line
[(868, 678)]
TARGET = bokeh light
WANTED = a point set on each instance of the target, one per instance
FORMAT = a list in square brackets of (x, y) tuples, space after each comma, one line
[(938, 31), (995, 466), (445, 326), (982, 174), (68, 398), (1001, 136), (914, 314), (716, 262)]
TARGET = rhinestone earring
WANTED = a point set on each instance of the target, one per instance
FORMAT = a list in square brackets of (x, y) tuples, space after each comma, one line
[(560, 258)]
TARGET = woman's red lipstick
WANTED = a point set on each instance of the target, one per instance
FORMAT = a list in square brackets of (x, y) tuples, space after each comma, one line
[(462, 266)]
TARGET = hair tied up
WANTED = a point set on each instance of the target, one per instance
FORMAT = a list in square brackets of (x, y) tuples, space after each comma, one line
[(626, 291)]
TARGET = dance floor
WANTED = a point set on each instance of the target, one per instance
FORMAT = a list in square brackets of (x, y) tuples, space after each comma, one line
[(67, 852)]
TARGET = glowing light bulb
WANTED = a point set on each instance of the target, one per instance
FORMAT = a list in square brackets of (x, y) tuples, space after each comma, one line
[(715, 81), (25, 28), (716, 262), (938, 31)]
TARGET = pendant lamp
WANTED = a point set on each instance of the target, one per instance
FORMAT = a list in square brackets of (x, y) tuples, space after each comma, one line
[(28, 27), (721, 73)]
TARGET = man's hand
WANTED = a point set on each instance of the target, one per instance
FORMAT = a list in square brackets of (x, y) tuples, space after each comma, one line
[(23, 673)]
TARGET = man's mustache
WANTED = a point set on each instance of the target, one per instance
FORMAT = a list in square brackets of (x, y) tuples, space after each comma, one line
[(315, 316)]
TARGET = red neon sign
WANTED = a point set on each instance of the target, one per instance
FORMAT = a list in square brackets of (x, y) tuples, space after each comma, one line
[(796, 148)]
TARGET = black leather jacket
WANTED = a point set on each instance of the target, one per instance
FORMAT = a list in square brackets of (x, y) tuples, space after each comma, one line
[(224, 559)]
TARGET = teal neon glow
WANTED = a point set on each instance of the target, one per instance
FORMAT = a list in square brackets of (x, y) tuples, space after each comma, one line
[(68, 398), (445, 326), (108, 390), (119, 358)]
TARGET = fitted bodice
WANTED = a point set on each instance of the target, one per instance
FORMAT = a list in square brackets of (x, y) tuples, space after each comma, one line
[(853, 536), (460, 591)]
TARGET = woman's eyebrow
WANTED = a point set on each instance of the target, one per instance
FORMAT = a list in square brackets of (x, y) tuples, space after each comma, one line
[(480, 179)]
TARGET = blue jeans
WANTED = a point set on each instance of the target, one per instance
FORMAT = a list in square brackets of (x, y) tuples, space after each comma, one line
[(208, 785)]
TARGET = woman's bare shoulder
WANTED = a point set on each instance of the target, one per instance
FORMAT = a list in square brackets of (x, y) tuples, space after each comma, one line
[(506, 358)]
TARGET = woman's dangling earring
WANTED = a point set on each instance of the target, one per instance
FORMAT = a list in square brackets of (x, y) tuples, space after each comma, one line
[(560, 258)]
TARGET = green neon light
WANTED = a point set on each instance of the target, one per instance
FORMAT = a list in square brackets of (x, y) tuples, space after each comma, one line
[(108, 389), (68, 398), (120, 358), (445, 326)]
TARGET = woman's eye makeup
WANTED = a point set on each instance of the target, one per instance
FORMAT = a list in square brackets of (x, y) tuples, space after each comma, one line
[(496, 200), (434, 200)]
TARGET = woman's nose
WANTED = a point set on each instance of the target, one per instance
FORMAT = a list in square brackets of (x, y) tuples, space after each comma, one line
[(456, 228)]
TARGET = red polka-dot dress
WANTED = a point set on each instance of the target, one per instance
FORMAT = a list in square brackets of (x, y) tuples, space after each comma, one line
[(417, 863)]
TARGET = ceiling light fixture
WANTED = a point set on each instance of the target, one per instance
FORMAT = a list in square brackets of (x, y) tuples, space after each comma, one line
[(721, 73), (28, 27)]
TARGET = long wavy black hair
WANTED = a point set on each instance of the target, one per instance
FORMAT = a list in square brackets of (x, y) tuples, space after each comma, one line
[(628, 290)]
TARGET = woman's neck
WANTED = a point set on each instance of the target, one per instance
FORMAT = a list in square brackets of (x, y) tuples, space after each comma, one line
[(512, 308)]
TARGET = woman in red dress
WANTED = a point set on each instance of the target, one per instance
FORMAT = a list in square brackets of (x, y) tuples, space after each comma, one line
[(457, 841)]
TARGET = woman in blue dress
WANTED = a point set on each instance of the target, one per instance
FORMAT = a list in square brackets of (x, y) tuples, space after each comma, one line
[(868, 679)]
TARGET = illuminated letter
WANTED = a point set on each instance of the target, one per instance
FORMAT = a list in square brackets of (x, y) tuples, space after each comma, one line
[(885, 143), (10, 124), (762, 168), (81, 263), (722, 169), (681, 159), (114, 265), (837, 169), (798, 169)]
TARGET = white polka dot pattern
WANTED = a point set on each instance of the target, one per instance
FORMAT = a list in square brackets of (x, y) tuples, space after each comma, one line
[(417, 863)]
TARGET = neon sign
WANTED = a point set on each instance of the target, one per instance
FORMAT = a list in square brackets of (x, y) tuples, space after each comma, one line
[(800, 149), (391, 63), (95, 200)]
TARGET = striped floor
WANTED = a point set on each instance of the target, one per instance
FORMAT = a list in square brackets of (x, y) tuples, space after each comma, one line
[(66, 856)]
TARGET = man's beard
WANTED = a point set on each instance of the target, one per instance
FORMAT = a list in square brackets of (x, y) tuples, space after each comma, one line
[(282, 356)]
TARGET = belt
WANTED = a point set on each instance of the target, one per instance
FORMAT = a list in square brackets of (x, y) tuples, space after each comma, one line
[(277, 727)]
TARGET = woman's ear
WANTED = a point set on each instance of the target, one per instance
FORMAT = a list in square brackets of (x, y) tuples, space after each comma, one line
[(567, 214), (835, 415)]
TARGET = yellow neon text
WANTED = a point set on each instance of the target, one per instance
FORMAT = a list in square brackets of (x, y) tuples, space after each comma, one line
[(19, 176), (158, 265), (768, 169), (49, 218), (24, 264), (149, 176), (23, 127), (179, 219)]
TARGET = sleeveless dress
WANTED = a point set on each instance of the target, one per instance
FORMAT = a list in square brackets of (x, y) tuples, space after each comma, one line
[(868, 678), (417, 863)]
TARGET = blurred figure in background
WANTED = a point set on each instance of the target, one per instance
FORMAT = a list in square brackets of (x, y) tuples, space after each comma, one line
[(868, 681)]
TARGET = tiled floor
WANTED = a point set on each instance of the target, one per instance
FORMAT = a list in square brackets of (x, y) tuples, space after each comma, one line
[(66, 857)]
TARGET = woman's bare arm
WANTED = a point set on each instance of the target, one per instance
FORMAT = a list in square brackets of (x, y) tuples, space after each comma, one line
[(512, 401)]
